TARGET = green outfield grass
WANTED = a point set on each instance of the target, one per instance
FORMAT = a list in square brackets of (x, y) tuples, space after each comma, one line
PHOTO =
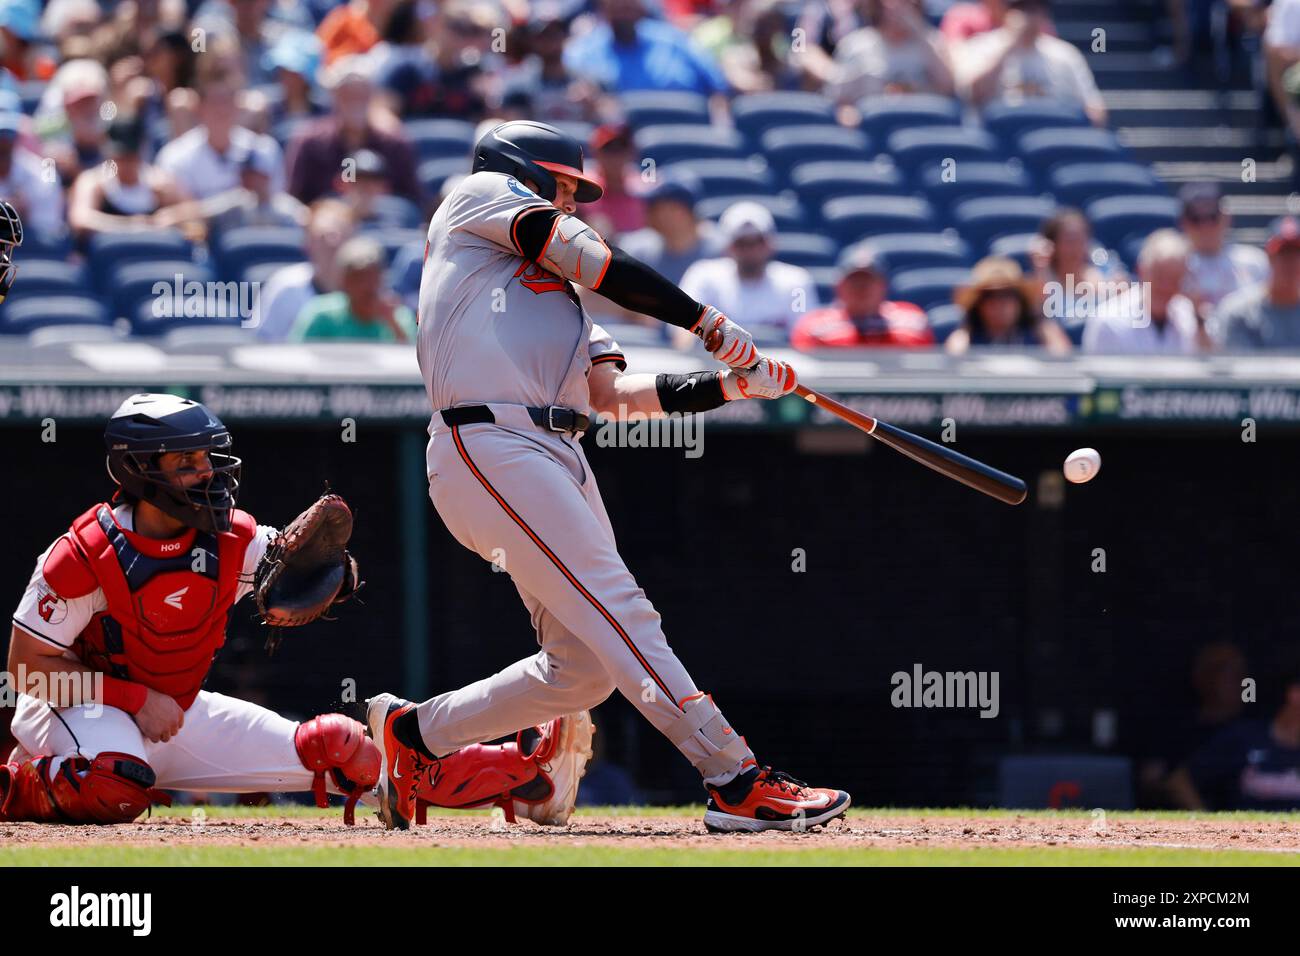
[(726, 851)]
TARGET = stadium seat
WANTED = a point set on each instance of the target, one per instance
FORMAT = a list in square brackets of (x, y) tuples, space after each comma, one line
[(919, 250), (787, 146), (851, 218), (263, 271), (727, 177), (46, 247), (397, 212), (883, 115), (927, 288), (656, 107), (434, 173), (932, 144), (394, 239), (818, 181), (135, 283), (48, 277), (1008, 120), (26, 315), (788, 213), (755, 113), (825, 278), (805, 249), (72, 334), (1016, 247), (948, 184), (578, 129), (236, 249), (1079, 184), (108, 250), (405, 271), (441, 138), (1041, 149), (670, 144), (945, 320), (1118, 220), (980, 221), (146, 320)]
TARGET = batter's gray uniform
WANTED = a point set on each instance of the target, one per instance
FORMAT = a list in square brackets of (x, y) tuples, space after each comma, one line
[(500, 330)]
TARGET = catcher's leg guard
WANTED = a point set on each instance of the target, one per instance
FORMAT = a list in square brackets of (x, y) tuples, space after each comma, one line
[(339, 746), (111, 788), (484, 774)]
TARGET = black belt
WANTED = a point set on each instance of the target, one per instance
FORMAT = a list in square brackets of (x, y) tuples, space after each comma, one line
[(555, 418)]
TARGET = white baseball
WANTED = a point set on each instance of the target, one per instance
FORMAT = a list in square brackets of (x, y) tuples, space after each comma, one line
[(1082, 465)]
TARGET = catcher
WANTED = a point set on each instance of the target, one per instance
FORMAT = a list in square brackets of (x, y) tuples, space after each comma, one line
[(120, 622)]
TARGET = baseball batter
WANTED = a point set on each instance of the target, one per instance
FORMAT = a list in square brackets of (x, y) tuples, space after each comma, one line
[(514, 369)]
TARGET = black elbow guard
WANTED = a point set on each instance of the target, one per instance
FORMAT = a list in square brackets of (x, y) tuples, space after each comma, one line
[(696, 392)]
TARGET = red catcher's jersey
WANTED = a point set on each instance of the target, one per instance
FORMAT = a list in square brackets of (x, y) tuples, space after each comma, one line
[(168, 600)]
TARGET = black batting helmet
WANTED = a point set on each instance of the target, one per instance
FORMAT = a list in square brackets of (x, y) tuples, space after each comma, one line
[(11, 237), (532, 151), (149, 425)]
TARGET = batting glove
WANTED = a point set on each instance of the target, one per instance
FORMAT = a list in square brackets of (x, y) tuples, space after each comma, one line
[(729, 343), (768, 379)]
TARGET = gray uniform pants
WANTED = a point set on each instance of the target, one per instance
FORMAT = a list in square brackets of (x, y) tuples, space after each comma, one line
[(526, 499)]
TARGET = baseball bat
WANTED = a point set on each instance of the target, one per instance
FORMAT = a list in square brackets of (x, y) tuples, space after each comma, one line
[(951, 464)]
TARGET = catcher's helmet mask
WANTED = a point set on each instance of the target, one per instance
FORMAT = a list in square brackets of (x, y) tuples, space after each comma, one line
[(535, 152), (11, 237), (147, 426)]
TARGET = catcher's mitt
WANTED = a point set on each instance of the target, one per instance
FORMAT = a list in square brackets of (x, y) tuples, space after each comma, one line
[(307, 568)]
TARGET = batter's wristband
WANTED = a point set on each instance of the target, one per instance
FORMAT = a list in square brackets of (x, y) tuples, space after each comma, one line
[(124, 694), (696, 392)]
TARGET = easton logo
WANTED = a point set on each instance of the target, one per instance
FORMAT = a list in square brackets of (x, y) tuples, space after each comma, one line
[(174, 599)]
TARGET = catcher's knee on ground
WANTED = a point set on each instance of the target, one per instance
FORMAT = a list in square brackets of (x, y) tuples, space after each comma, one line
[(338, 746), (109, 788)]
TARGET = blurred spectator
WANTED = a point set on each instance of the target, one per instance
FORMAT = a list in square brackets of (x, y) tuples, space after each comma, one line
[(317, 154), (206, 160), (19, 29), (1066, 264), (1152, 317), (1249, 764), (621, 208), (1267, 315), (898, 53), (445, 76), (122, 193), (329, 226), (961, 21), (751, 41), (364, 308), (354, 27), (1218, 673), (860, 314), (1214, 267), (627, 51), (1021, 58), (1001, 308), (292, 64), (541, 87), (765, 296), (366, 188), (674, 237), (169, 61), (1281, 52), (68, 117), (256, 201), (246, 21), (25, 179)]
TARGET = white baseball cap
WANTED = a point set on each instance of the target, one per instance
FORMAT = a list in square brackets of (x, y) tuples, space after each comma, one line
[(747, 218)]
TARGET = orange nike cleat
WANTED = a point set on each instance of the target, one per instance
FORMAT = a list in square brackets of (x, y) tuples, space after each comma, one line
[(402, 769), (774, 801)]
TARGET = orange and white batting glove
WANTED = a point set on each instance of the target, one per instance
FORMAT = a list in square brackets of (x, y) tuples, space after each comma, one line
[(729, 343), (768, 379)]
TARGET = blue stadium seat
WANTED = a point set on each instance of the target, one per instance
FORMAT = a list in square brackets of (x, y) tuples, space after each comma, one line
[(927, 288), (825, 279), (1016, 247), (48, 277), (918, 250), (788, 213), (945, 320), (578, 129), (670, 144), (1041, 149), (654, 107), (948, 184), (727, 177), (46, 247), (818, 181), (397, 212), (787, 146), (980, 221), (1118, 220), (134, 283), (146, 320), (433, 173), (236, 249), (405, 271), (263, 271), (883, 115), (26, 315), (71, 334), (439, 138), (805, 249), (933, 144), (394, 239), (755, 113), (851, 218), (1008, 120), (108, 250), (1079, 184)]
